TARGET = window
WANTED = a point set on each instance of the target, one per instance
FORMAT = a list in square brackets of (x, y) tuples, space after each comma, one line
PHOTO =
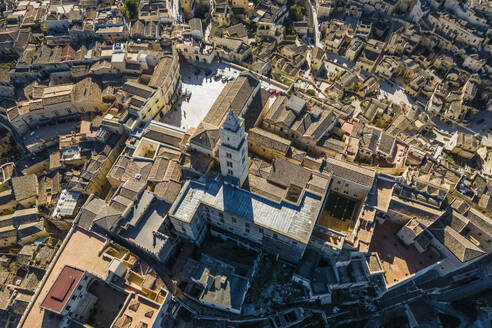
[(346, 185), (234, 220), (338, 182), (260, 230), (247, 230), (221, 215), (229, 172), (229, 164), (246, 225), (228, 155), (275, 236)]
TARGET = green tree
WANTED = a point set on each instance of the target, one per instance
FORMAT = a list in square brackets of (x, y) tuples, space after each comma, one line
[(289, 30), (296, 12), (131, 8)]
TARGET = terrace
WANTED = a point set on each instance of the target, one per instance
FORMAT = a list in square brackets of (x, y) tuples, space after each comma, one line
[(399, 155), (137, 311), (399, 261)]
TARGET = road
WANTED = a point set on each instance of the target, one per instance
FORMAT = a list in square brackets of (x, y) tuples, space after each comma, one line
[(317, 41), (207, 31), (176, 10)]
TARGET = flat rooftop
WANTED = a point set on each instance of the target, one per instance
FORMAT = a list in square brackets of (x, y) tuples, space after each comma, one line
[(62, 289), (293, 220), (399, 155), (381, 196), (142, 224)]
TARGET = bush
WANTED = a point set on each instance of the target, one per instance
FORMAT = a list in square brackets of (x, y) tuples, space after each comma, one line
[(452, 161), (311, 92), (131, 8)]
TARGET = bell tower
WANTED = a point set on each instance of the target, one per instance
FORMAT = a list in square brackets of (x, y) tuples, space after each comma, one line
[(233, 148)]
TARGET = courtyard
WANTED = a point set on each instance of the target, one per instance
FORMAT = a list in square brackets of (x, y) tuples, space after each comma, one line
[(108, 305), (338, 213)]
